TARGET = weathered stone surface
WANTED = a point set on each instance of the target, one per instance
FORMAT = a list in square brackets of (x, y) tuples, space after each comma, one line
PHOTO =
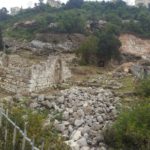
[(21, 75), (76, 135), (86, 113), (82, 142), (48, 43), (78, 122)]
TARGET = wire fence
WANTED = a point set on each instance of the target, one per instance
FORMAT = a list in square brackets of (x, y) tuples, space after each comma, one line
[(17, 139)]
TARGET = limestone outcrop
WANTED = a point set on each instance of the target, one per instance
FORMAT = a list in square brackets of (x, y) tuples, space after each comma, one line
[(134, 47), (60, 43)]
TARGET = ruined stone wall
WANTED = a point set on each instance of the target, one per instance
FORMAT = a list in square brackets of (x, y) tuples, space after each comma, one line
[(46, 74), (15, 79), (15, 73), (20, 76)]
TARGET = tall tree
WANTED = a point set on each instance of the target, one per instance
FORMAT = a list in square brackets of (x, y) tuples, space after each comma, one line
[(1, 40), (74, 4), (3, 14)]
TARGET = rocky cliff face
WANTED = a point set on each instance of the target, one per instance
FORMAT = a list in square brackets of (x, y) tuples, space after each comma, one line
[(135, 46), (61, 43), (136, 50)]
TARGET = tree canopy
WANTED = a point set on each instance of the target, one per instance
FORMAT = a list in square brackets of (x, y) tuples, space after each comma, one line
[(74, 4), (1, 40)]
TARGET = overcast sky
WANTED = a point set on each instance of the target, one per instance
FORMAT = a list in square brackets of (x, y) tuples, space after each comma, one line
[(27, 3)]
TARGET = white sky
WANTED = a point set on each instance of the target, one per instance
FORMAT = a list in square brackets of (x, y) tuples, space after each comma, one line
[(26, 3)]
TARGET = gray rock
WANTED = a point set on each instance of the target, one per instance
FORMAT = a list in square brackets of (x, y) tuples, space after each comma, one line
[(73, 145), (82, 142), (80, 113), (70, 129), (78, 122), (66, 115), (100, 119), (103, 148), (34, 95), (99, 137), (86, 129), (34, 105), (96, 126), (41, 97), (76, 135), (60, 127), (61, 100), (85, 148), (47, 104)]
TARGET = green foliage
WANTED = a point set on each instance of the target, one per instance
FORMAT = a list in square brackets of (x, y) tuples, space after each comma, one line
[(87, 50), (103, 47), (131, 130), (125, 18), (74, 4), (3, 14), (143, 87), (71, 22), (35, 129), (1, 40)]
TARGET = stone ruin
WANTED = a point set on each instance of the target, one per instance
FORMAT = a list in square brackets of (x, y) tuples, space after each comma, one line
[(24, 75)]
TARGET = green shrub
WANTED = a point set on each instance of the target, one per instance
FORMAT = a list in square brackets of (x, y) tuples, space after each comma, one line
[(87, 50), (35, 129), (71, 21), (131, 130), (100, 48), (143, 87)]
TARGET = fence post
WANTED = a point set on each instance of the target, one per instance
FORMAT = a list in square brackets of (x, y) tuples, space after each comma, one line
[(33, 144), (1, 117), (14, 138), (24, 139), (6, 131), (42, 146)]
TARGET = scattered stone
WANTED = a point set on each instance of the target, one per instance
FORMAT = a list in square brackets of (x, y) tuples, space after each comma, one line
[(82, 142), (34, 105), (78, 123), (86, 113), (41, 98), (100, 119), (76, 135)]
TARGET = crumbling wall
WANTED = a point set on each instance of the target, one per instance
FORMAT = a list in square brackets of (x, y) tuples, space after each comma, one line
[(46, 74), (18, 75), (15, 73)]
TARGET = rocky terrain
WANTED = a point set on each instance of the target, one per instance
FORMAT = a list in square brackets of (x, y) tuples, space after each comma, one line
[(87, 103)]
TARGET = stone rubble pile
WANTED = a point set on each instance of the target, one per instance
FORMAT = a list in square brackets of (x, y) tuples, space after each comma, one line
[(86, 113)]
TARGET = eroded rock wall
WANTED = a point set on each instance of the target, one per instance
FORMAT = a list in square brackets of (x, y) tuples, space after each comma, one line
[(134, 45)]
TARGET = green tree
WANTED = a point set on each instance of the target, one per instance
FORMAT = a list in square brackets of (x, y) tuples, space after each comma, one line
[(71, 22), (131, 130), (3, 14), (1, 40), (87, 51), (108, 47), (74, 4)]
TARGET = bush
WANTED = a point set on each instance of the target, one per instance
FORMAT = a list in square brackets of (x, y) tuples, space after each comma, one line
[(101, 48), (131, 130), (35, 129), (87, 50), (143, 87), (71, 22)]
